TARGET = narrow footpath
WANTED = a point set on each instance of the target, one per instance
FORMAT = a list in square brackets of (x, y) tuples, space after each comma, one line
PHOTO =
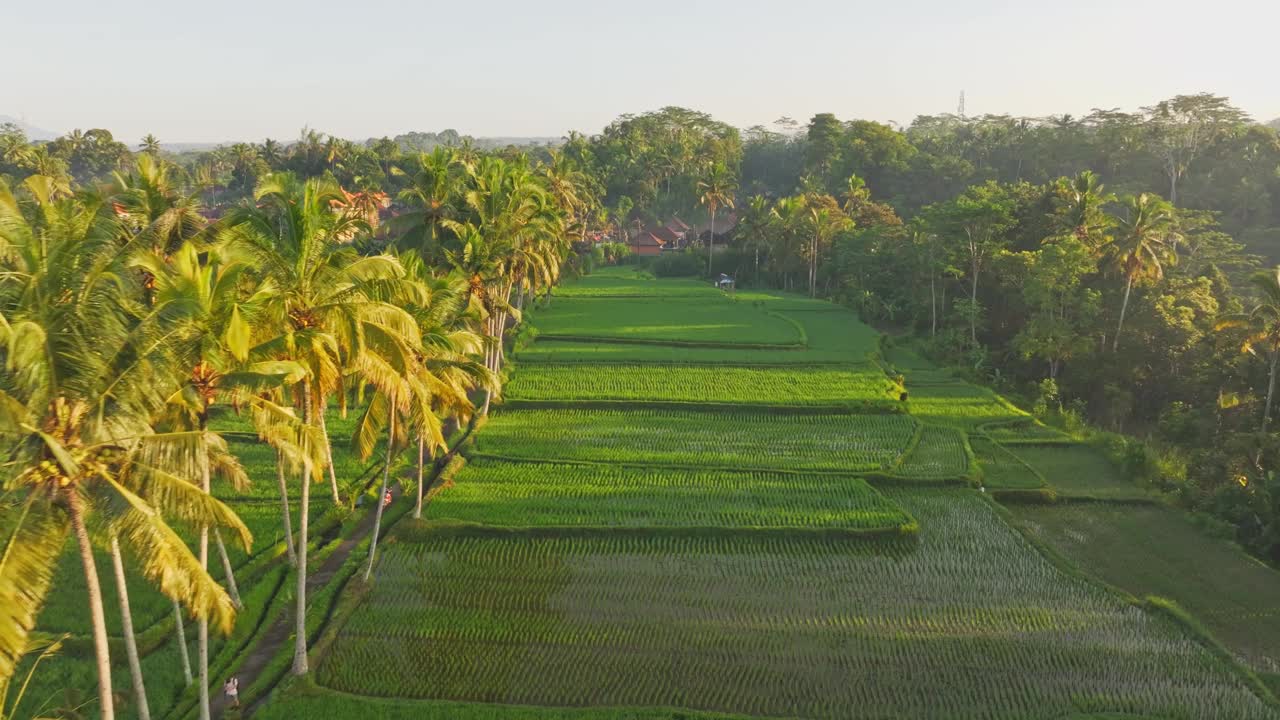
[(281, 632)]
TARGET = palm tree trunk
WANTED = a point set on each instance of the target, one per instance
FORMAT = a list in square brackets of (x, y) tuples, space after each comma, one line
[(1271, 389), (101, 652), (202, 624), (232, 589), (417, 508), (973, 308), (328, 457), (1128, 286), (711, 243), (933, 306), (126, 625), (182, 642), (813, 269), (284, 509), (386, 475), (300, 596)]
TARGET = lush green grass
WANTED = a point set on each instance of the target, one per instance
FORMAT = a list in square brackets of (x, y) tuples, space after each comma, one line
[(714, 321), (1024, 431), (1151, 550), (864, 386), (1001, 468), (959, 405), (840, 443), (939, 454), (1077, 470), (626, 282), (970, 622), (508, 494)]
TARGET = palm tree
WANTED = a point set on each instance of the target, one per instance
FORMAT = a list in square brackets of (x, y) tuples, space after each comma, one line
[(824, 221), (210, 295), (85, 370), (1262, 329), (332, 304), (1144, 242), (715, 191), (755, 227), (431, 199), (150, 145), (1081, 205), (788, 215), (148, 200)]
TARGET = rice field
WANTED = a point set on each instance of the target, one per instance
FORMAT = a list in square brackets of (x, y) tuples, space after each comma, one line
[(939, 454), (833, 443), (1151, 550), (506, 494), (713, 322), (1001, 468), (1078, 470), (970, 622), (865, 387), (958, 404)]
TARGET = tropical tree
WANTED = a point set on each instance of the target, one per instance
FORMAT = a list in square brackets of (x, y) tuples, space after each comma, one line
[(755, 227), (150, 145), (332, 305), (1143, 245), (715, 191), (85, 371), (1261, 326), (825, 219), (210, 295)]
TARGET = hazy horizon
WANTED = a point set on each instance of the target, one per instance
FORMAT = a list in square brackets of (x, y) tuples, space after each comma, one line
[(247, 71)]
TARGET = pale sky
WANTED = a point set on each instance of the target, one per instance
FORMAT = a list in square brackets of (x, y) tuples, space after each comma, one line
[(250, 69)]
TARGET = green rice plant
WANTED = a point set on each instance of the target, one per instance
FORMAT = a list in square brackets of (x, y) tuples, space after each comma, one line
[(830, 443), (1003, 469), (958, 404), (967, 622), (712, 323), (863, 387), (1153, 550), (628, 285), (1078, 470), (940, 453), (507, 494), (1024, 431)]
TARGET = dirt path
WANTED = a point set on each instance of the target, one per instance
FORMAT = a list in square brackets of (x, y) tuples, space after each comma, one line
[(280, 633)]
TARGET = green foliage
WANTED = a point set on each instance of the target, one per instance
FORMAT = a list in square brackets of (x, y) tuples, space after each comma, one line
[(842, 443), (490, 615), (507, 494), (679, 264), (644, 320)]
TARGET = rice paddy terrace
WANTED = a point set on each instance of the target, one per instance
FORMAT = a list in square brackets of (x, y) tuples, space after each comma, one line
[(697, 505)]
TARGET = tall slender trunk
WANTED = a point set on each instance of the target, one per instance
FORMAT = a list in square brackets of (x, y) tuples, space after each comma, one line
[(1124, 306), (232, 589), (1271, 389), (417, 508), (284, 510), (202, 624), (973, 308), (101, 652), (328, 456), (181, 633), (300, 595), (933, 306), (711, 244), (386, 475), (126, 626), (813, 269)]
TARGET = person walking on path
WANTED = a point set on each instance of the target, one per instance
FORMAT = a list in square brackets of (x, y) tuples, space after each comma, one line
[(232, 689)]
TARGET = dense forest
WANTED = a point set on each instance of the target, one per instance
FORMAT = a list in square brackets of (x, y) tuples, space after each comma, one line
[(1113, 270)]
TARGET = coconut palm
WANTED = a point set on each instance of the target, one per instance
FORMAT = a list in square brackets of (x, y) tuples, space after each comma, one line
[(1262, 330), (824, 221), (149, 200), (755, 227), (1081, 203), (1143, 244), (715, 191), (150, 145), (85, 370), (330, 302), (210, 296)]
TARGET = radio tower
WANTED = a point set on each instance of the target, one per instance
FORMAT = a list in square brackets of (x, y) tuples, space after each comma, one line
[(960, 109)]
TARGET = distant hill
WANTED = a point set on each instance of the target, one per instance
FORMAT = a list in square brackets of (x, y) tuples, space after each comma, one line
[(32, 132), (1274, 124)]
